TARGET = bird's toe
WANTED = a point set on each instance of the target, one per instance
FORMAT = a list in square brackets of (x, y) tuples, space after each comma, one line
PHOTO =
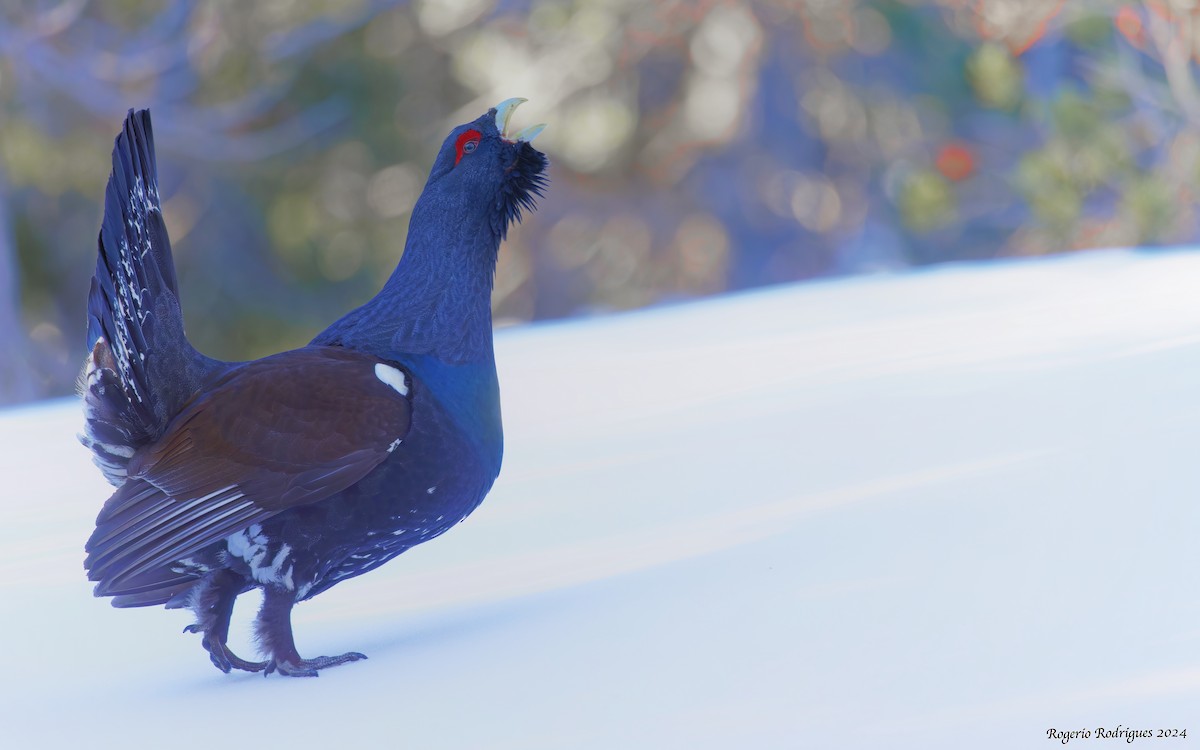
[(225, 660), (311, 667)]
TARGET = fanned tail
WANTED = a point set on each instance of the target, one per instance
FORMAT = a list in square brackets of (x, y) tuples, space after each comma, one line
[(141, 369)]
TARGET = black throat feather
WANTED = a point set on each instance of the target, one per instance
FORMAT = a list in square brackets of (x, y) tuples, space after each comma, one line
[(524, 183)]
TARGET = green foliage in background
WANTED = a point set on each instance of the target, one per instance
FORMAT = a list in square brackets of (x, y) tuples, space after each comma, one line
[(697, 146)]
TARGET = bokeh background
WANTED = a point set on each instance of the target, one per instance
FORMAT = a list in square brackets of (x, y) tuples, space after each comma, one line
[(698, 146)]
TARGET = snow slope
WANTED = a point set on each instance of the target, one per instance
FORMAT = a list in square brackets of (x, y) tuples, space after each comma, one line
[(952, 508)]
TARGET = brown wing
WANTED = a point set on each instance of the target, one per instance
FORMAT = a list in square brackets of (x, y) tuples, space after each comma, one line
[(274, 434)]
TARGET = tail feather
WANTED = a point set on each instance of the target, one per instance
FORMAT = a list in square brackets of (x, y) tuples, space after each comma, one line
[(142, 368), (173, 590)]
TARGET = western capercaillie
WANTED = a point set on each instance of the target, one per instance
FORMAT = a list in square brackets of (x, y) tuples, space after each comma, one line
[(302, 469)]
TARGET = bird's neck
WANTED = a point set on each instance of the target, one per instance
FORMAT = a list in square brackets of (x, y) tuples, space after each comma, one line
[(438, 300)]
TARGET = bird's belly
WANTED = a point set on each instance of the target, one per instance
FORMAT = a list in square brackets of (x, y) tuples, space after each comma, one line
[(431, 483)]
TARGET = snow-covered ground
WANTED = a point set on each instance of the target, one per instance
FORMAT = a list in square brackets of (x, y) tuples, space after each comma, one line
[(954, 508)]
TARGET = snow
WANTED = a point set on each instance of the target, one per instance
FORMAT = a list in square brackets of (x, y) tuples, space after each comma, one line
[(950, 508)]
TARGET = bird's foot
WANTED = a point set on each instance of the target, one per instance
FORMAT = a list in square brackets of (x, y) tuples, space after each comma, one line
[(222, 658), (274, 627), (310, 667)]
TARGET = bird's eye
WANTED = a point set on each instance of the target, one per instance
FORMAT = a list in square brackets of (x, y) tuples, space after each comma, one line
[(467, 142)]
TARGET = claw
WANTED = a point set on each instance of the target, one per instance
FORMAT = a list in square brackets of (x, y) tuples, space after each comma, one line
[(225, 660), (220, 664)]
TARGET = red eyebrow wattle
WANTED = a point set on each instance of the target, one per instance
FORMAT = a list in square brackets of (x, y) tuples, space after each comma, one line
[(463, 139)]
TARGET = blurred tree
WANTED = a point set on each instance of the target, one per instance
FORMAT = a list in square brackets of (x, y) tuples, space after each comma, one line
[(698, 145)]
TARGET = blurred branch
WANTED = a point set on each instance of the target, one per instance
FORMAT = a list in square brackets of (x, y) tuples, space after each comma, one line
[(1176, 53), (92, 73), (1125, 73), (200, 141), (297, 42), (102, 61), (16, 377), (56, 19), (163, 29)]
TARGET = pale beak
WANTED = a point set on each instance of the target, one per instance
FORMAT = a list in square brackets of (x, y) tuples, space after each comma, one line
[(529, 133), (504, 111)]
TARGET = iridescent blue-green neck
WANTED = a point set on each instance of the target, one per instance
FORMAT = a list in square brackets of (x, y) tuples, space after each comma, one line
[(438, 300)]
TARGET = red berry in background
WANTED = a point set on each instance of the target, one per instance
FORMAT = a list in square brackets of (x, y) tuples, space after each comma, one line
[(955, 161)]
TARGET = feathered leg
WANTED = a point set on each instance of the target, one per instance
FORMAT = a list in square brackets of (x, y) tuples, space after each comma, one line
[(213, 604), (274, 627)]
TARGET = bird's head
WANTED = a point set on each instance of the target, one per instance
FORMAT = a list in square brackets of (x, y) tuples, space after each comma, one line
[(483, 168)]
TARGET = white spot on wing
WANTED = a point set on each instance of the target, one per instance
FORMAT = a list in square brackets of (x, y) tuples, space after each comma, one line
[(395, 444), (393, 377)]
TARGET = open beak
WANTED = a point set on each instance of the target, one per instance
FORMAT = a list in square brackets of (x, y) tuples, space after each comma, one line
[(504, 111)]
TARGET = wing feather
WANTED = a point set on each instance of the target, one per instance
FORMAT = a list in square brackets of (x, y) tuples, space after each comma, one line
[(278, 433)]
